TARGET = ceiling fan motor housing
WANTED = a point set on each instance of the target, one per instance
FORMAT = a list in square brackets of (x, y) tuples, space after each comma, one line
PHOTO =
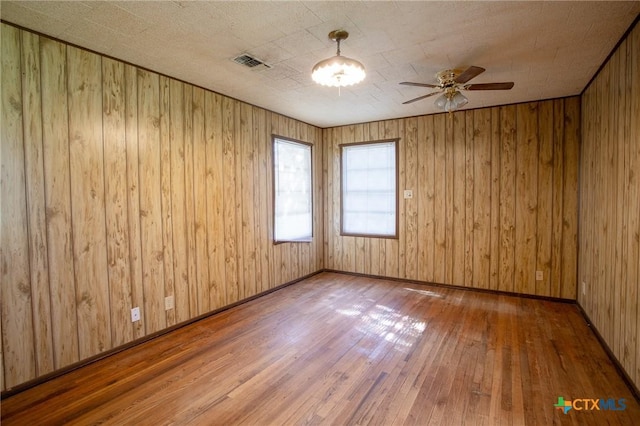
[(447, 78)]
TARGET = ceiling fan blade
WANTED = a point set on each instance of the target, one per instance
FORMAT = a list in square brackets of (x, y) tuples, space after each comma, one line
[(408, 83), (469, 73), (420, 98), (490, 86)]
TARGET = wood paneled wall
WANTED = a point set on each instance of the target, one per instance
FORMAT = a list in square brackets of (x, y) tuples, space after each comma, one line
[(494, 199), (610, 204), (121, 187)]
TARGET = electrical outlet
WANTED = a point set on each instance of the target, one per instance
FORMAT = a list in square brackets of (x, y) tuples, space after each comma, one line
[(408, 193), (584, 288), (168, 303), (539, 276), (135, 314)]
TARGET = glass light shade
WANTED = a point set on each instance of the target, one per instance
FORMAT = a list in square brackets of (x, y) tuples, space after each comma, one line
[(459, 99), (451, 102), (338, 71), (441, 101)]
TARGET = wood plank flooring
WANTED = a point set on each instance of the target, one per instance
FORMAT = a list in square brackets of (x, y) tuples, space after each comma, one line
[(339, 349)]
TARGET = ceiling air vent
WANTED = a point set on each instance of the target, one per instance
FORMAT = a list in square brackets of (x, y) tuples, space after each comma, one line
[(250, 61)]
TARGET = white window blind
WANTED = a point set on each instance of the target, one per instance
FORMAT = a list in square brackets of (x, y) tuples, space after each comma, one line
[(292, 189), (369, 189)]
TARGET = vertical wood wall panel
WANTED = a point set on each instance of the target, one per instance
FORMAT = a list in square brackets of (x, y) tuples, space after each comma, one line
[(34, 174), (153, 278), (166, 192), (633, 226), (200, 202), (457, 186), (237, 231), (545, 198), (482, 200), (440, 214), (506, 275), (609, 223), (115, 163), (571, 154), (229, 185), (133, 198), (17, 317), (400, 245), (215, 224), (172, 172), (261, 200), (526, 197), (464, 168), (557, 200), (621, 209), (454, 158), (246, 231), (424, 197), (127, 187), (188, 238), (84, 74), (494, 261), (268, 177), (333, 159), (478, 178), (411, 211), (55, 140)]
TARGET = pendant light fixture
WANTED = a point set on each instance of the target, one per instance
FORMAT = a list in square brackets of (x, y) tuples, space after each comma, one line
[(338, 71)]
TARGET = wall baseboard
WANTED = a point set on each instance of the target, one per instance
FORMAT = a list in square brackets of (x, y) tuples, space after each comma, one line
[(625, 376), (457, 287), (62, 371)]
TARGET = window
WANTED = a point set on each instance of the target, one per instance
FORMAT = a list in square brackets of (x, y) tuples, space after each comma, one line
[(369, 189), (293, 203)]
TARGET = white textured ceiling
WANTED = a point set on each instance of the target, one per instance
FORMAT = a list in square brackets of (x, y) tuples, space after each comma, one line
[(549, 49)]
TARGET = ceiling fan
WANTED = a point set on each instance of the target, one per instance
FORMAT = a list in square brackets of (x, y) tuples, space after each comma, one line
[(450, 82)]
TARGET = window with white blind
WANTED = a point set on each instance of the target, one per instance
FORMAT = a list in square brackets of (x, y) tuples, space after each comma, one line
[(369, 189), (293, 196)]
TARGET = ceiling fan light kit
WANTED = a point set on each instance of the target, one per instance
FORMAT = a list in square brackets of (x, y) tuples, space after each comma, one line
[(451, 101), (338, 71), (450, 82)]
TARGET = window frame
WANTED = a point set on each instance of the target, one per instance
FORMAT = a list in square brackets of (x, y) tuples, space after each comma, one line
[(274, 139), (396, 235)]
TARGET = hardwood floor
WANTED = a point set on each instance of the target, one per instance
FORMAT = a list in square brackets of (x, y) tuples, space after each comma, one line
[(339, 349)]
